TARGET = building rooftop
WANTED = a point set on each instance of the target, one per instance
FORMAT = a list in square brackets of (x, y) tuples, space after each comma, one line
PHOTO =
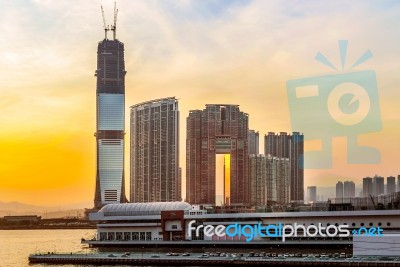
[(148, 208)]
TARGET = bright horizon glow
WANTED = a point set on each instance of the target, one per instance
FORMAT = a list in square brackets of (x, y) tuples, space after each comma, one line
[(203, 52)]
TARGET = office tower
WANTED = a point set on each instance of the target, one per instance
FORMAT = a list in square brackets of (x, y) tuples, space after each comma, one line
[(391, 185), (253, 142), (217, 129), (155, 151), (284, 145), (349, 189), (110, 121), (312, 194), (367, 187), (339, 189), (378, 185)]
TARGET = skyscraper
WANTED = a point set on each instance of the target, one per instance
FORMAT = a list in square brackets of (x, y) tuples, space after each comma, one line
[(339, 189), (110, 121), (349, 189), (269, 180), (218, 129), (258, 180), (391, 184), (284, 145), (312, 194), (253, 142), (378, 185), (155, 172), (398, 183), (367, 187)]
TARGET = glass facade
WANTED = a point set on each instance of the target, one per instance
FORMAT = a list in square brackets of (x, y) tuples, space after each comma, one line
[(110, 112)]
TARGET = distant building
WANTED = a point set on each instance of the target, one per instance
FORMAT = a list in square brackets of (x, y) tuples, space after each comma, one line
[(155, 151), (378, 185), (339, 189), (312, 194), (253, 142), (367, 186), (398, 183), (284, 145), (390, 184), (22, 219), (349, 189)]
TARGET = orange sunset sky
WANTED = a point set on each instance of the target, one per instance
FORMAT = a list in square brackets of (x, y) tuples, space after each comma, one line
[(202, 52)]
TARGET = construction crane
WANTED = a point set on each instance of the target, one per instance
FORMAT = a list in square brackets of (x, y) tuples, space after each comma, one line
[(106, 28), (114, 27)]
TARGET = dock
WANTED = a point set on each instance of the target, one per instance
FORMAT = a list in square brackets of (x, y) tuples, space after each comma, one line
[(197, 259)]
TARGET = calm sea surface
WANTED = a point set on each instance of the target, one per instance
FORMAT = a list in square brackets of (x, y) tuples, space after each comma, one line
[(16, 245)]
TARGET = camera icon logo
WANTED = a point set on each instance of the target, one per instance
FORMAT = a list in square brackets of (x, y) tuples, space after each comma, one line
[(334, 105)]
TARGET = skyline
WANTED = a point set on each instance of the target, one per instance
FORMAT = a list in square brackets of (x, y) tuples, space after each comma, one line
[(234, 52)]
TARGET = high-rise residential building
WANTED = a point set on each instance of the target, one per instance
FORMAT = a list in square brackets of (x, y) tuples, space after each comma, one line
[(155, 151), (282, 177), (398, 183), (339, 189), (378, 185), (258, 180), (391, 184), (110, 122), (253, 142), (269, 180), (311, 194), (367, 187), (217, 129), (284, 145), (349, 189)]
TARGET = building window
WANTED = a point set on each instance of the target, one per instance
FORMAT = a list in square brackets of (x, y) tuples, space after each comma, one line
[(127, 236), (135, 236), (148, 235), (174, 226), (103, 236), (110, 236), (142, 236), (119, 236)]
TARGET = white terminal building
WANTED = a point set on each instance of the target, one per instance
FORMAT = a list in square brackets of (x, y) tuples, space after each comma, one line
[(171, 223)]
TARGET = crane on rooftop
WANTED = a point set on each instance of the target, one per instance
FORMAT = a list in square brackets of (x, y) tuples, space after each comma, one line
[(106, 28), (113, 27)]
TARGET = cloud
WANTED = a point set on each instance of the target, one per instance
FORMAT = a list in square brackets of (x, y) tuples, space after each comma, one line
[(239, 52)]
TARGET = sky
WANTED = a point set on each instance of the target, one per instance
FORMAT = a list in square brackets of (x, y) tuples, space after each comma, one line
[(203, 52)]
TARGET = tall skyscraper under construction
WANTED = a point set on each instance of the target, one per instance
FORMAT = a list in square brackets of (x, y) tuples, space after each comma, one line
[(218, 129), (155, 174), (110, 119)]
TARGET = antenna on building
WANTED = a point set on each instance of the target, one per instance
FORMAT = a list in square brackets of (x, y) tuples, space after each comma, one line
[(114, 27), (106, 28)]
